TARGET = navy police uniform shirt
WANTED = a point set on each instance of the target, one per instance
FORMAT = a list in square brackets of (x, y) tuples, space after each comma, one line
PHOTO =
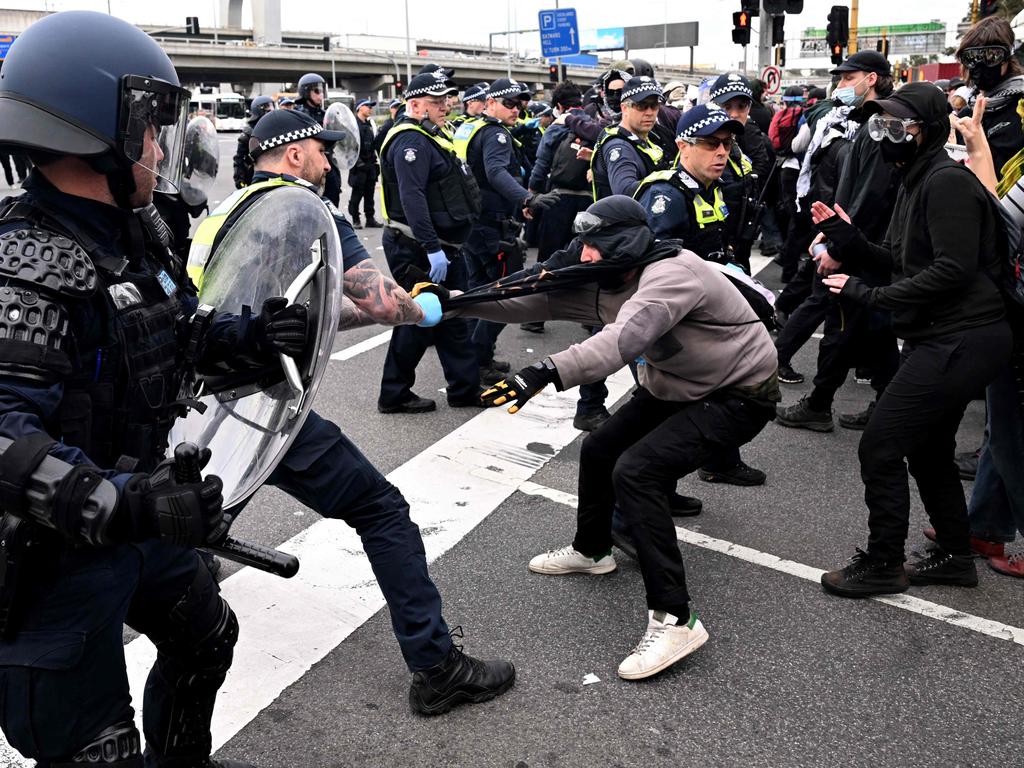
[(668, 211), (415, 162), (498, 152), (625, 166)]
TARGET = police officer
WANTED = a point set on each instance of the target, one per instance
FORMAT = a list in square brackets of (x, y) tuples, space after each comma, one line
[(363, 176), (322, 468), (90, 372), (474, 99), (243, 162), (430, 200), (624, 155), (492, 249), (312, 91), (687, 203), (286, 103), (396, 108)]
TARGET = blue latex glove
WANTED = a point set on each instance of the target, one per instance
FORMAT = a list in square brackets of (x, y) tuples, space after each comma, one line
[(438, 266), (431, 306)]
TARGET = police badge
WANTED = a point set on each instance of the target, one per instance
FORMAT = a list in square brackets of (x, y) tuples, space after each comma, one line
[(660, 204), (410, 155), (614, 155), (502, 138)]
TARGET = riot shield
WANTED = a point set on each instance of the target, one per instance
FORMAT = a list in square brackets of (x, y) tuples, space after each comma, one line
[(285, 244), (340, 118), (202, 159)]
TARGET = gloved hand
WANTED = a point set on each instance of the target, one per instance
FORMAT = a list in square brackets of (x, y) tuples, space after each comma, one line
[(438, 266), (186, 514), (522, 386), (440, 291), (240, 185), (431, 306), (281, 327), (540, 202)]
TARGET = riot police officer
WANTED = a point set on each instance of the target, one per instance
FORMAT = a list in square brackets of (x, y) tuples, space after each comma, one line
[(430, 200), (243, 162), (474, 99), (311, 97), (493, 248), (687, 203), (624, 155), (363, 176), (91, 374)]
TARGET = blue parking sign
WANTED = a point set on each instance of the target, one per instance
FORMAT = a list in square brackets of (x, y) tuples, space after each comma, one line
[(5, 44), (559, 34)]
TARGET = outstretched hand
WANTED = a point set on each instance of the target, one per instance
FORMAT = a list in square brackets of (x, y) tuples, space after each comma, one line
[(820, 212), (970, 127)]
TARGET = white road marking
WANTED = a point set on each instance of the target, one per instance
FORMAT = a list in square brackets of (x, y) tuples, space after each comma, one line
[(363, 346), (937, 611)]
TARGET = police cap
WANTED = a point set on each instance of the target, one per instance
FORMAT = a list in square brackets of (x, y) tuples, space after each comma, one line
[(283, 126)]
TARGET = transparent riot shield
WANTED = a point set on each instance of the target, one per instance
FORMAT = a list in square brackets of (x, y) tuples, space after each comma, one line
[(285, 244), (201, 161), (340, 118)]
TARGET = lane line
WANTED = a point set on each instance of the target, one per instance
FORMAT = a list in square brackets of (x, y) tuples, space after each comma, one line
[(363, 346), (937, 611)]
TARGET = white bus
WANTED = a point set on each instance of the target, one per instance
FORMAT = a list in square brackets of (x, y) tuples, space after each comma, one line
[(226, 109)]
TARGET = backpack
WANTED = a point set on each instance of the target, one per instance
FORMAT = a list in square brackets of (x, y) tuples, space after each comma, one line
[(787, 126), (567, 171), (760, 298)]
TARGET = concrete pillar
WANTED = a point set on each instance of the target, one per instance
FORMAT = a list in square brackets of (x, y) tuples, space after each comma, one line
[(266, 21)]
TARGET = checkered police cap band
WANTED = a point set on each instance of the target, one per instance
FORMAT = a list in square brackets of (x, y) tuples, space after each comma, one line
[(651, 89), (287, 138), (734, 86), (690, 131), (437, 88), (512, 90)]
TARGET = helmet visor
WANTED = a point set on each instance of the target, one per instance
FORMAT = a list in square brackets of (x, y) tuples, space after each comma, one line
[(148, 102), (585, 223)]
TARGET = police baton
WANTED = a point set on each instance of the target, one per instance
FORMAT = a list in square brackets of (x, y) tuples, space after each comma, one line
[(187, 470)]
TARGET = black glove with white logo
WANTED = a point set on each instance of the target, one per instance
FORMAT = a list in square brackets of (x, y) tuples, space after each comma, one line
[(522, 386)]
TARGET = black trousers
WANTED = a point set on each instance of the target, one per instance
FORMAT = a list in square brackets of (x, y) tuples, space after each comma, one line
[(854, 336), (801, 230), (556, 225), (363, 182), (799, 288), (802, 322), (916, 419), (638, 453)]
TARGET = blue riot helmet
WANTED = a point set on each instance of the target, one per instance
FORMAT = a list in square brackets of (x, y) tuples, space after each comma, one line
[(261, 105), (310, 82), (60, 97)]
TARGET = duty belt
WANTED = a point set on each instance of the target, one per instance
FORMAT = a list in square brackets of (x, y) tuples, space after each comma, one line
[(406, 231)]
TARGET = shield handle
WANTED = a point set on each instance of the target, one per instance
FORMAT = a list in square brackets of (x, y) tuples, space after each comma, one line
[(291, 370)]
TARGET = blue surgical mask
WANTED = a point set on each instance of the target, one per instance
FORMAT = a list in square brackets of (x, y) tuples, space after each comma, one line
[(848, 94)]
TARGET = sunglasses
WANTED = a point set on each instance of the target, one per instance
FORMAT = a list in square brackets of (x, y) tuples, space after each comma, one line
[(983, 55), (515, 104), (892, 128), (714, 142), (315, 90)]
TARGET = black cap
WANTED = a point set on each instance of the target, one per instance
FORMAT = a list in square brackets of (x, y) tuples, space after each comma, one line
[(427, 69), (896, 105), (793, 93), (865, 61), (475, 92), (956, 82), (434, 83), (704, 120), (507, 88), (639, 88), (283, 126), (365, 102), (729, 86)]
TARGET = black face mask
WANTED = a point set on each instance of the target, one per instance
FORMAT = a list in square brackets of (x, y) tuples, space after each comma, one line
[(987, 77), (614, 100), (903, 153)]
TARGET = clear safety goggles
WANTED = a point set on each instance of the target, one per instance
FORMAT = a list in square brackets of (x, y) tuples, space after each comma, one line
[(983, 55), (149, 102), (586, 222), (892, 128)]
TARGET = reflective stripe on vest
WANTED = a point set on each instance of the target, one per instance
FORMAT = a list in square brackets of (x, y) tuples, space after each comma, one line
[(709, 213), (465, 132), (206, 234), (443, 141)]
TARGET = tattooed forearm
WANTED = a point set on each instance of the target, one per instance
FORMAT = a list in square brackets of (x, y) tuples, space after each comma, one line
[(377, 298), (352, 316)]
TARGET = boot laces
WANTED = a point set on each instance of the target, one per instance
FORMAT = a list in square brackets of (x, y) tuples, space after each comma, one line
[(934, 559), (650, 638)]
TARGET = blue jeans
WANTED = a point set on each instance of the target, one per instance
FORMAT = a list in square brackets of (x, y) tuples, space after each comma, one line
[(996, 510)]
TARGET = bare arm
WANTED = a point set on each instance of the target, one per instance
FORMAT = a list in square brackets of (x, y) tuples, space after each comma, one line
[(372, 297), (977, 145)]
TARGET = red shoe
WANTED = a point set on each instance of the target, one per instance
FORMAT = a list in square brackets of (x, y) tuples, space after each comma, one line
[(980, 547), (1010, 566)]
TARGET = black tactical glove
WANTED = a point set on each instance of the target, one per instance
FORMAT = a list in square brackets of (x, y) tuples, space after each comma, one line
[(522, 386), (540, 202), (189, 514), (427, 287), (281, 327)]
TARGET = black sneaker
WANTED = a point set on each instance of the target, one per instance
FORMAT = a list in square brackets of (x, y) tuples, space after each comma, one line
[(414, 404), (533, 327), (467, 401), (588, 422), (788, 376), (865, 576), (967, 464), (802, 416), (685, 506), (356, 223), (459, 679), (741, 474), (501, 365), (373, 224), (940, 567), (491, 376), (857, 421)]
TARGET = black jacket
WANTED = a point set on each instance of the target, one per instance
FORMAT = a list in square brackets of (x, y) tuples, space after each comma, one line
[(752, 143), (941, 244)]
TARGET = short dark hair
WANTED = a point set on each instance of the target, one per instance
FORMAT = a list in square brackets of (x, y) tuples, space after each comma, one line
[(884, 86), (567, 94), (758, 86), (992, 30)]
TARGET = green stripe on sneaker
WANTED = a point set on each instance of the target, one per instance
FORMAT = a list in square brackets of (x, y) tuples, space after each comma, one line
[(693, 620)]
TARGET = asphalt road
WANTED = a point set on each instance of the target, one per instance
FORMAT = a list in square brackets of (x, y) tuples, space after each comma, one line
[(790, 677)]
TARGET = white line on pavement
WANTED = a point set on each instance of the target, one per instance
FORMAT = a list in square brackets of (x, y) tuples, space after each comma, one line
[(937, 611), (363, 346)]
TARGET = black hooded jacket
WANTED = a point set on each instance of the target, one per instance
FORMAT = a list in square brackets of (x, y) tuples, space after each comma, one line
[(942, 241)]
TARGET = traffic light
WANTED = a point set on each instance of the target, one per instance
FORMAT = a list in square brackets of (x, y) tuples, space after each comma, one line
[(780, 56), (741, 28), (778, 30), (838, 30), (882, 46), (836, 53), (192, 25), (794, 6), (753, 7), (553, 73), (987, 8), (327, 43), (774, 6)]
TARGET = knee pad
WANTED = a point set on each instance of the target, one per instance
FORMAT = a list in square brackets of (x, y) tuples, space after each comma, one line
[(200, 655), (118, 746)]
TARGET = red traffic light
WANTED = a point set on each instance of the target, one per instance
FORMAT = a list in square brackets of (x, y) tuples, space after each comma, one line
[(742, 20)]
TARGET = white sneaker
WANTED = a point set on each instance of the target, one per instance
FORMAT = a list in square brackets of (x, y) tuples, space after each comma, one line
[(663, 644), (568, 560)]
